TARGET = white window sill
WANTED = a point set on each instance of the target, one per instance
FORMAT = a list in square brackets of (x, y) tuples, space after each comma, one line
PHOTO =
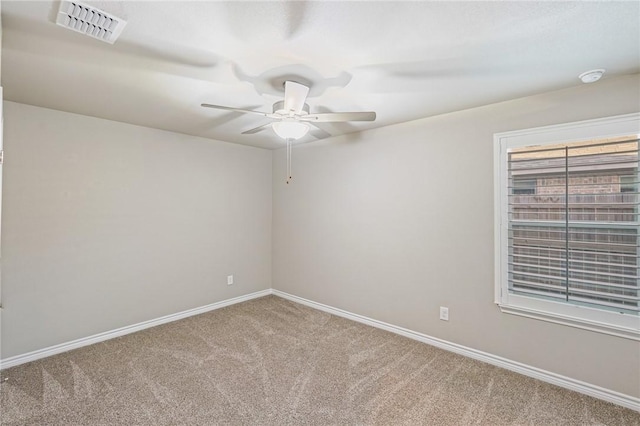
[(611, 323)]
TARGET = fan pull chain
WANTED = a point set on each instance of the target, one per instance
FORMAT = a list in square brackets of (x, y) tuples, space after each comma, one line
[(289, 177)]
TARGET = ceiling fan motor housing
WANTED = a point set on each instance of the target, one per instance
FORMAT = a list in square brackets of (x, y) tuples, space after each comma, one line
[(278, 107)]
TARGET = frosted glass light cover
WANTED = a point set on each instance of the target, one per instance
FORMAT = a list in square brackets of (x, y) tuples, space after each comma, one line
[(290, 129)]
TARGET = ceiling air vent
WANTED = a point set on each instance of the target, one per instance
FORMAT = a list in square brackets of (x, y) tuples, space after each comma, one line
[(89, 21)]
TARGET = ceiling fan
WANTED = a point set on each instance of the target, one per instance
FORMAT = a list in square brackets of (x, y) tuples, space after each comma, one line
[(291, 116)]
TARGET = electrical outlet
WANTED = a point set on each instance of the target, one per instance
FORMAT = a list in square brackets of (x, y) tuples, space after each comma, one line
[(444, 313), (229, 279)]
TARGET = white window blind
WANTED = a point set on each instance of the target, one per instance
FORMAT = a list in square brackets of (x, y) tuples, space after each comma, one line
[(566, 225), (575, 238)]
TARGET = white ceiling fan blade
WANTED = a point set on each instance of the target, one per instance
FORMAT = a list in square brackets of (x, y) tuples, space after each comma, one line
[(318, 133), (327, 117), (226, 108), (256, 129), (294, 96)]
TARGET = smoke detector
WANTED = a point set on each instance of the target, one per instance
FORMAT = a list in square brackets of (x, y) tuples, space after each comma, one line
[(89, 21), (591, 76)]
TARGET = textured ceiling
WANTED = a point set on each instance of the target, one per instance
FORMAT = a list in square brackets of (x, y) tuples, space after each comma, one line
[(403, 60)]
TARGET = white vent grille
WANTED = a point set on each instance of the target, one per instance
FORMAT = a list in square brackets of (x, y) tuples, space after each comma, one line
[(89, 21)]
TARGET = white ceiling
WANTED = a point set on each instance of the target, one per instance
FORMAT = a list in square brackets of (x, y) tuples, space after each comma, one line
[(403, 60)]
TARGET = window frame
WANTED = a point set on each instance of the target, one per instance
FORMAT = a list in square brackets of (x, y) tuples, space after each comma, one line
[(589, 318)]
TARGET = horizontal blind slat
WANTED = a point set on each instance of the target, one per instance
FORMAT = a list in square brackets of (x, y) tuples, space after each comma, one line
[(582, 146), (587, 272), (587, 262)]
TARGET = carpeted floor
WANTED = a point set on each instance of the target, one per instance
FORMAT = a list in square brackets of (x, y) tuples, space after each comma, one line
[(273, 362)]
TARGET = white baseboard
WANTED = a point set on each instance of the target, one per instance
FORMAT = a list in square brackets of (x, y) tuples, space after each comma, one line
[(74, 344), (527, 370)]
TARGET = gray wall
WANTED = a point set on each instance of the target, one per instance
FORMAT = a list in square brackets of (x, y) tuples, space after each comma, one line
[(108, 224), (377, 224), (1, 133)]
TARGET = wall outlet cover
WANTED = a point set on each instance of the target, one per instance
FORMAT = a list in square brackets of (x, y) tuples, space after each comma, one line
[(444, 313)]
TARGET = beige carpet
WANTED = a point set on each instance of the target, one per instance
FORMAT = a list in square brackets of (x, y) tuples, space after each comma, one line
[(273, 362)]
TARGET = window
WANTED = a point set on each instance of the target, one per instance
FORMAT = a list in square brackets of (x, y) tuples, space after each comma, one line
[(629, 183), (567, 225), (523, 186)]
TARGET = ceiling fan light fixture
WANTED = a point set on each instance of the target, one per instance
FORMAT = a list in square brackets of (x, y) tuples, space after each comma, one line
[(290, 129)]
